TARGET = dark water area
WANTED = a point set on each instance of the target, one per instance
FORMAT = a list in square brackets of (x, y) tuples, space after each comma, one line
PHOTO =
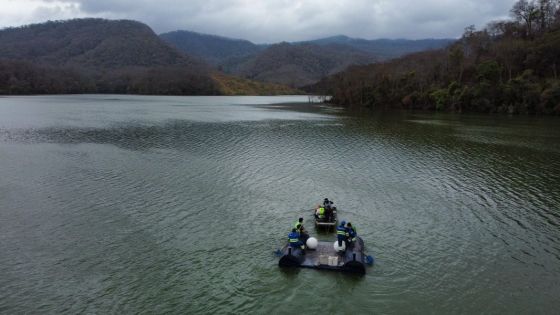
[(143, 204)]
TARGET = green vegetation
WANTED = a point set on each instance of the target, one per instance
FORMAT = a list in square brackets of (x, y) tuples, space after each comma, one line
[(90, 43), (296, 65), (293, 64), (229, 85), (210, 48), (24, 78), (510, 67), (127, 57), (96, 56), (103, 56), (20, 77), (384, 49)]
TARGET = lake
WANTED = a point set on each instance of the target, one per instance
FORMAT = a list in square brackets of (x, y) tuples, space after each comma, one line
[(144, 204)]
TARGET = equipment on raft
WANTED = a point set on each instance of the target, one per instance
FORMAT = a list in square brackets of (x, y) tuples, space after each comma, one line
[(325, 256), (340, 248), (326, 225), (312, 243)]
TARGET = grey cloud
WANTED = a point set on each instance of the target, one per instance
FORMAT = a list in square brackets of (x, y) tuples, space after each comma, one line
[(289, 20)]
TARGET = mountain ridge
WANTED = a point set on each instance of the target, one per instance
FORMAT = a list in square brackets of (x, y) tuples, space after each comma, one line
[(292, 63), (297, 65), (106, 56), (126, 56), (212, 48), (385, 48), (92, 43)]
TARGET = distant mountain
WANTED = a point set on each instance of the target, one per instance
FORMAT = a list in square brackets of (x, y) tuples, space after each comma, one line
[(296, 65), (385, 49), (102, 56), (106, 56), (211, 48), (92, 43), (122, 56)]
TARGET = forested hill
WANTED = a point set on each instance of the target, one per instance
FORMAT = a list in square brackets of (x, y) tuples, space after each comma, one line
[(297, 65), (509, 66), (294, 64), (384, 49), (211, 48), (106, 56), (96, 56), (218, 49), (95, 43)]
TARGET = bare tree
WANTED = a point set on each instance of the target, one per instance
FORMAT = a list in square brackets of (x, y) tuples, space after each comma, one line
[(526, 12), (547, 9)]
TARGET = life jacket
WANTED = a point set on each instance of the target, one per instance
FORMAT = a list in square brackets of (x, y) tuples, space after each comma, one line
[(341, 231), (293, 237), (296, 225), (321, 212)]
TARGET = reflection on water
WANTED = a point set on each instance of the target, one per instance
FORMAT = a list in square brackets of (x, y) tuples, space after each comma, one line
[(176, 204)]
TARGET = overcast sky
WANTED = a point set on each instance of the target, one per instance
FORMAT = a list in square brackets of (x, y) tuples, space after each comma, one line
[(267, 21)]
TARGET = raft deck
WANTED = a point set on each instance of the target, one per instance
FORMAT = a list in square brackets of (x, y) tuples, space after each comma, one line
[(327, 258)]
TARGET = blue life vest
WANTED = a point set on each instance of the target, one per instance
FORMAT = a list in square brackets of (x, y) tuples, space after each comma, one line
[(293, 239), (340, 232)]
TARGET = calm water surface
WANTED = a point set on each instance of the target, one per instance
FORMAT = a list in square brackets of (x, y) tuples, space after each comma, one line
[(149, 205)]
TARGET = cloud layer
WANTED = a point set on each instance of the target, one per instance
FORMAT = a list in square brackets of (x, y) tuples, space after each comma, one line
[(275, 20)]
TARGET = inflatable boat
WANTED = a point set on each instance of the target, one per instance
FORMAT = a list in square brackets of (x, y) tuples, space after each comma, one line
[(326, 257), (326, 225)]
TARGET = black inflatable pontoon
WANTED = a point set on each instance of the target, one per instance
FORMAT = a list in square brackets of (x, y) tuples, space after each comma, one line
[(325, 257)]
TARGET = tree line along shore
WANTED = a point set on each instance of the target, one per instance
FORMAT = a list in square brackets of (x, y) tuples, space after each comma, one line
[(510, 66)]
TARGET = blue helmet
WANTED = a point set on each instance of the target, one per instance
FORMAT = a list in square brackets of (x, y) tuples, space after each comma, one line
[(343, 223)]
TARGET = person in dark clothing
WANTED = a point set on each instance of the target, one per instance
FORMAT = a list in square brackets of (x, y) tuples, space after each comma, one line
[(341, 235), (352, 234), (328, 213), (293, 239), (298, 222), (303, 235)]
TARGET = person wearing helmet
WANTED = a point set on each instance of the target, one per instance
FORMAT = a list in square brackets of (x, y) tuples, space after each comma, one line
[(294, 241), (352, 234), (303, 235), (298, 222), (341, 233)]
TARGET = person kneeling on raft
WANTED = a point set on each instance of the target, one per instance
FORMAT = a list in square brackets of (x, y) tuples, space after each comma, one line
[(294, 240)]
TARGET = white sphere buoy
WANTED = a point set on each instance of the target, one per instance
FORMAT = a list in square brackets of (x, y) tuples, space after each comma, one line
[(312, 243), (339, 248)]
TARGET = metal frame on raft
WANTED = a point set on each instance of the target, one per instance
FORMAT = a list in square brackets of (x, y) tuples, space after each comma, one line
[(352, 260), (323, 225)]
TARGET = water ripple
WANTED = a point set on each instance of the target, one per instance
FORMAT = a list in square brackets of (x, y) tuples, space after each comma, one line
[(157, 212)]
